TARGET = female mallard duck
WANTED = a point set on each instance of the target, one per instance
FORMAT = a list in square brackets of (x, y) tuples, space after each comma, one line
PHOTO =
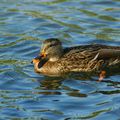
[(56, 60)]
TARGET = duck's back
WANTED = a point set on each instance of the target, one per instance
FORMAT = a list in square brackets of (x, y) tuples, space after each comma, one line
[(92, 46), (89, 57)]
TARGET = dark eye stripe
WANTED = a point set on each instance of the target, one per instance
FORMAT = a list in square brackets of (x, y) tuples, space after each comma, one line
[(53, 44)]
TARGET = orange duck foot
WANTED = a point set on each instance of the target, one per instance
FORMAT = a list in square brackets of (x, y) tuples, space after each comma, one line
[(102, 75)]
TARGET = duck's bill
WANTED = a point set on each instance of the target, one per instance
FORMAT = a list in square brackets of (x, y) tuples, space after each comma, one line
[(37, 58), (41, 56)]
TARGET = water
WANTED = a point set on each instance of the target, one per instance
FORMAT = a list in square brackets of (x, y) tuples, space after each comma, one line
[(25, 95)]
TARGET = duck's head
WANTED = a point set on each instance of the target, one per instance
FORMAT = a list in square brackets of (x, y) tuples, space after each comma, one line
[(51, 50)]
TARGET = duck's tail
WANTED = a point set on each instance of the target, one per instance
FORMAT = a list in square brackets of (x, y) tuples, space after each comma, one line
[(109, 53)]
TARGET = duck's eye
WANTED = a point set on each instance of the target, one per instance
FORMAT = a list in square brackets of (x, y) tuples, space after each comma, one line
[(55, 44), (51, 45)]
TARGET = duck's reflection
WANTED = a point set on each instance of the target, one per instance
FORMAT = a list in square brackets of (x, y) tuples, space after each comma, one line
[(56, 86), (51, 83)]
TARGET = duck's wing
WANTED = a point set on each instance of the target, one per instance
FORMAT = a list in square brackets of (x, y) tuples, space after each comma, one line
[(91, 54), (90, 57)]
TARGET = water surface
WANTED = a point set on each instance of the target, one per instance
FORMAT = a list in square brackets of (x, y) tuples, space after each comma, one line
[(25, 95)]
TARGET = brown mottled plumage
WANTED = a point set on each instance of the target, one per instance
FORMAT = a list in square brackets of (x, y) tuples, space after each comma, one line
[(56, 60)]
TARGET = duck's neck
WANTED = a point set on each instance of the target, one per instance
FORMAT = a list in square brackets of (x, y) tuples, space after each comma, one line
[(56, 56)]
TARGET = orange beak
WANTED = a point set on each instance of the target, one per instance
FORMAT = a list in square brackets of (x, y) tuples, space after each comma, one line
[(35, 61), (38, 58)]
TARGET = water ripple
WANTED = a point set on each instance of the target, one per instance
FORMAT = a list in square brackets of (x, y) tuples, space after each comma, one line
[(26, 95)]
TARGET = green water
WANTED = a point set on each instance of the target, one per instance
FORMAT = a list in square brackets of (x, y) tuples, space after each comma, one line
[(25, 95)]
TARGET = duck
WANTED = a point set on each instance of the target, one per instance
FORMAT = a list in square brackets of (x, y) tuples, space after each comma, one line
[(55, 60)]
